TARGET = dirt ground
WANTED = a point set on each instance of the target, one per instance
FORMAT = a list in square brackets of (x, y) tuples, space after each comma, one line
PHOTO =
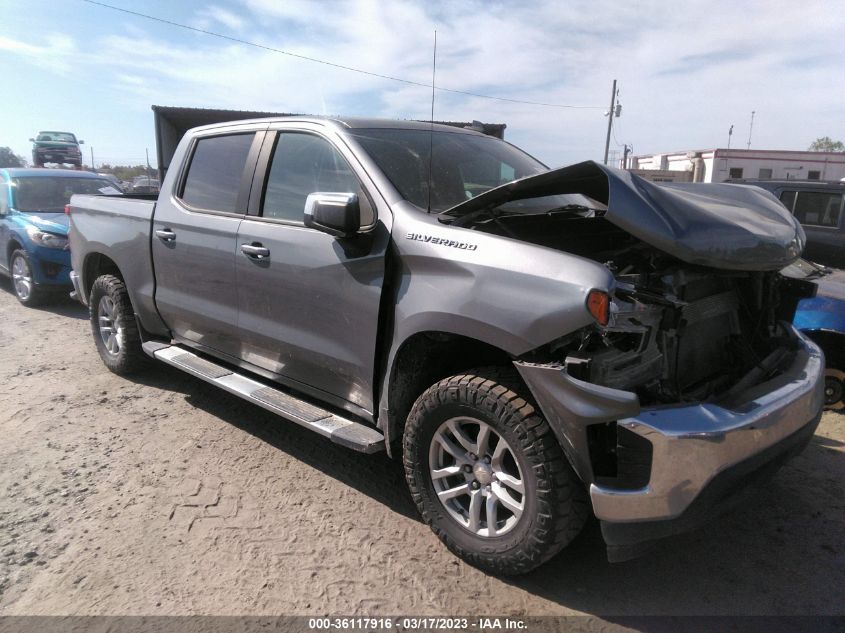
[(162, 495)]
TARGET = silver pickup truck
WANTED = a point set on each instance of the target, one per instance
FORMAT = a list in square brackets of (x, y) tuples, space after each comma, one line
[(533, 343)]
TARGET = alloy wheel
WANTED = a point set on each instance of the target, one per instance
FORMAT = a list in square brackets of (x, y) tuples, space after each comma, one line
[(21, 277), (476, 476), (110, 332)]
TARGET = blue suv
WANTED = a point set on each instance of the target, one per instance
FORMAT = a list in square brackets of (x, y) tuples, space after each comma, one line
[(33, 227)]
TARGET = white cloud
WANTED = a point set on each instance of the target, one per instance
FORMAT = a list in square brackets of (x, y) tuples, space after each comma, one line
[(53, 52), (686, 71), (216, 15)]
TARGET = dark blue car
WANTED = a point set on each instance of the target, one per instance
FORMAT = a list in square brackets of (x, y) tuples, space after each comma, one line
[(33, 227), (822, 318)]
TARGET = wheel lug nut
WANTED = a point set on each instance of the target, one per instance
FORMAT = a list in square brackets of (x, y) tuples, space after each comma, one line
[(472, 456), (467, 468), (474, 485), (486, 460)]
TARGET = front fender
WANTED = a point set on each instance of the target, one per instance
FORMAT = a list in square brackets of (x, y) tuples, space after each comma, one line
[(509, 295)]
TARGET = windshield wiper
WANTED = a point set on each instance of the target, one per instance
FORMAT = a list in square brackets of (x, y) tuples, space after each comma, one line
[(465, 220), (574, 207)]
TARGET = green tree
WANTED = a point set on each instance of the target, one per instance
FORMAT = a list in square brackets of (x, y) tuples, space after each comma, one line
[(826, 144), (9, 159)]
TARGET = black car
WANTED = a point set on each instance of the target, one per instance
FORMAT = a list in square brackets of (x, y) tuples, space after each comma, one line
[(817, 204)]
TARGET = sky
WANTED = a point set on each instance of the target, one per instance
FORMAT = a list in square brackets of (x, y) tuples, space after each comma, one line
[(686, 70)]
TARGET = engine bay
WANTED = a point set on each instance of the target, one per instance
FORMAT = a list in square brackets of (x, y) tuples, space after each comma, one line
[(677, 332)]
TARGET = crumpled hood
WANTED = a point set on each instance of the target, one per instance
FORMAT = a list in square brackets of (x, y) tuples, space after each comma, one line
[(50, 222), (735, 227)]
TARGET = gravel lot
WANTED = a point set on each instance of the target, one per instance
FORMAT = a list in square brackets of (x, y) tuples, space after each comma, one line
[(162, 495)]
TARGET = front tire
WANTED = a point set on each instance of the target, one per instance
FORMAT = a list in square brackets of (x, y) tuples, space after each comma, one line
[(23, 281), (834, 389), (113, 326), (488, 475)]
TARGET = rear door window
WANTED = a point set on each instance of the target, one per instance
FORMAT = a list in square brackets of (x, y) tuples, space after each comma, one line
[(818, 208), (214, 174)]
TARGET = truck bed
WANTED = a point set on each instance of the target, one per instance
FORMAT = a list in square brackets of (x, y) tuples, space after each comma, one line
[(116, 227), (137, 205)]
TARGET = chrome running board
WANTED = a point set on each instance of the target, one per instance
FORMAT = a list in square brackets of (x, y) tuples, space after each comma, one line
[(338, 429)]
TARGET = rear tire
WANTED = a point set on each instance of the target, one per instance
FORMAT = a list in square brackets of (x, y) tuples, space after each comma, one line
[(114, 327), (23, 282), (538, 503)]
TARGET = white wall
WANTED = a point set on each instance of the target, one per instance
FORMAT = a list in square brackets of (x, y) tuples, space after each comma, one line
[(784, 164)]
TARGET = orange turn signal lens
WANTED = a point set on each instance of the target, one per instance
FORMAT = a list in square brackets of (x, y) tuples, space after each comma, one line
[(598, 303)]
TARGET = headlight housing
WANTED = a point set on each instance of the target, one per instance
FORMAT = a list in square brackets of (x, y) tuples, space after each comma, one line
[(49, 240)]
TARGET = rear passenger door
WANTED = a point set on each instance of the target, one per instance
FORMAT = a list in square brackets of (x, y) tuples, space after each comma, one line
[(821, 214), (194, 235), (308, 309)]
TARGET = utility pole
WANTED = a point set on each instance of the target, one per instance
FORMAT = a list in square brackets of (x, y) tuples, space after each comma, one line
[(750, 129), (147, 150), (730, 133), (610, 114), (628, 149), (92, 157)]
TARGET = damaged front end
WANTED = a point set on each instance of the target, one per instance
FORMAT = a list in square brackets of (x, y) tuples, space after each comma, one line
[(696, 372), (676, 337)]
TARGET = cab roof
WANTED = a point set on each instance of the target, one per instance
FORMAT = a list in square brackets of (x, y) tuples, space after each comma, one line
[(350, 123)]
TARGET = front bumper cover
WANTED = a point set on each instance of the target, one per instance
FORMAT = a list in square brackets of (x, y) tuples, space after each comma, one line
[(692, 444)]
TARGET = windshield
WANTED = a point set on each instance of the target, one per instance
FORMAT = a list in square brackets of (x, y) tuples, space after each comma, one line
[(52, 193), (464, 166), (62, 137)]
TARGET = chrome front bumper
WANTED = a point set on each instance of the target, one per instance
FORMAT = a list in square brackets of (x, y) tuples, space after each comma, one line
[(691, 444)]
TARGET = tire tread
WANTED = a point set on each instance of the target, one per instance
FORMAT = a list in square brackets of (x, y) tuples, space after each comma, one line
[(562, 507), (131, 358)]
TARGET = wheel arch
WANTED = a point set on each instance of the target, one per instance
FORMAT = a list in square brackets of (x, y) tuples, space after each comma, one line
[(420, 361), (95, 265), (13, 245)]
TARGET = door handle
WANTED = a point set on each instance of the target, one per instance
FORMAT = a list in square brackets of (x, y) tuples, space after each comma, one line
[(256, 251), (165, 235)]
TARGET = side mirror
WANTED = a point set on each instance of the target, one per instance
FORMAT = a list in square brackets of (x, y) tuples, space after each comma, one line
[(81, 142), (32, 140), (338, 214)]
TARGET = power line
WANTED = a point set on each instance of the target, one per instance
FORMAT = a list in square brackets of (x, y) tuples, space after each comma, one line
[(334, 65)]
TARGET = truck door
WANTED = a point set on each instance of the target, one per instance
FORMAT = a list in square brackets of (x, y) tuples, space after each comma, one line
[(194, 235), (309, 303)]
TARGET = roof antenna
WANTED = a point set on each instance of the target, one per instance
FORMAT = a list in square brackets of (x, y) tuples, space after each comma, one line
[(431, 122)]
